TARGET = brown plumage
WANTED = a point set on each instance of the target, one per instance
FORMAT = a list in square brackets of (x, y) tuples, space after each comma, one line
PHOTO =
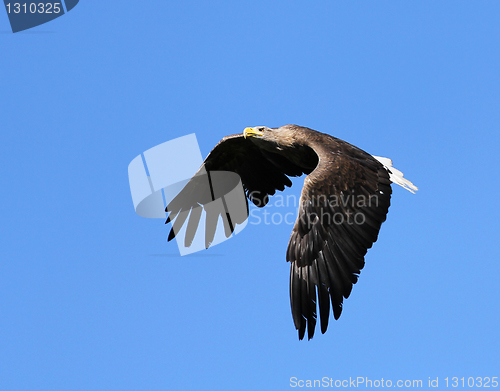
[(344, 201)]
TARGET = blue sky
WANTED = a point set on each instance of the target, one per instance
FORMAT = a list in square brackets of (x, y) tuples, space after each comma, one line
[(91, 295)]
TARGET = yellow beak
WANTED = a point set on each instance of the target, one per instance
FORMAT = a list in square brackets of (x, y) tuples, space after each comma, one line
[(252, 132)]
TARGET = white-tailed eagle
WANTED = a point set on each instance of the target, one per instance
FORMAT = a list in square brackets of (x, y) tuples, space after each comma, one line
[(344, 201)]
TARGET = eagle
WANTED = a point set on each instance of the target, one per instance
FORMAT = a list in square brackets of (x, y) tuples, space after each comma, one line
[(344, 201)]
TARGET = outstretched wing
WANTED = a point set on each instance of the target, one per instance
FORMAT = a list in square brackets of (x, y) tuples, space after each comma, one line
[(342, 206), (261, 173)]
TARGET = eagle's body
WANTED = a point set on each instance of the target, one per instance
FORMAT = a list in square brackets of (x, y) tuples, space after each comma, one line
[(344, 201)]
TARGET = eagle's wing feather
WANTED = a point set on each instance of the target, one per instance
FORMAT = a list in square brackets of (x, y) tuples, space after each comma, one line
[(261, 174), (343, 203)]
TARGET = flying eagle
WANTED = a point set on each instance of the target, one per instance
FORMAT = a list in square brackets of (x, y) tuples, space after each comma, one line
[(344, 200)]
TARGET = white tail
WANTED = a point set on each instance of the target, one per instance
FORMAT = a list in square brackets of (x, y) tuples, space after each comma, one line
[(395, 175)]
